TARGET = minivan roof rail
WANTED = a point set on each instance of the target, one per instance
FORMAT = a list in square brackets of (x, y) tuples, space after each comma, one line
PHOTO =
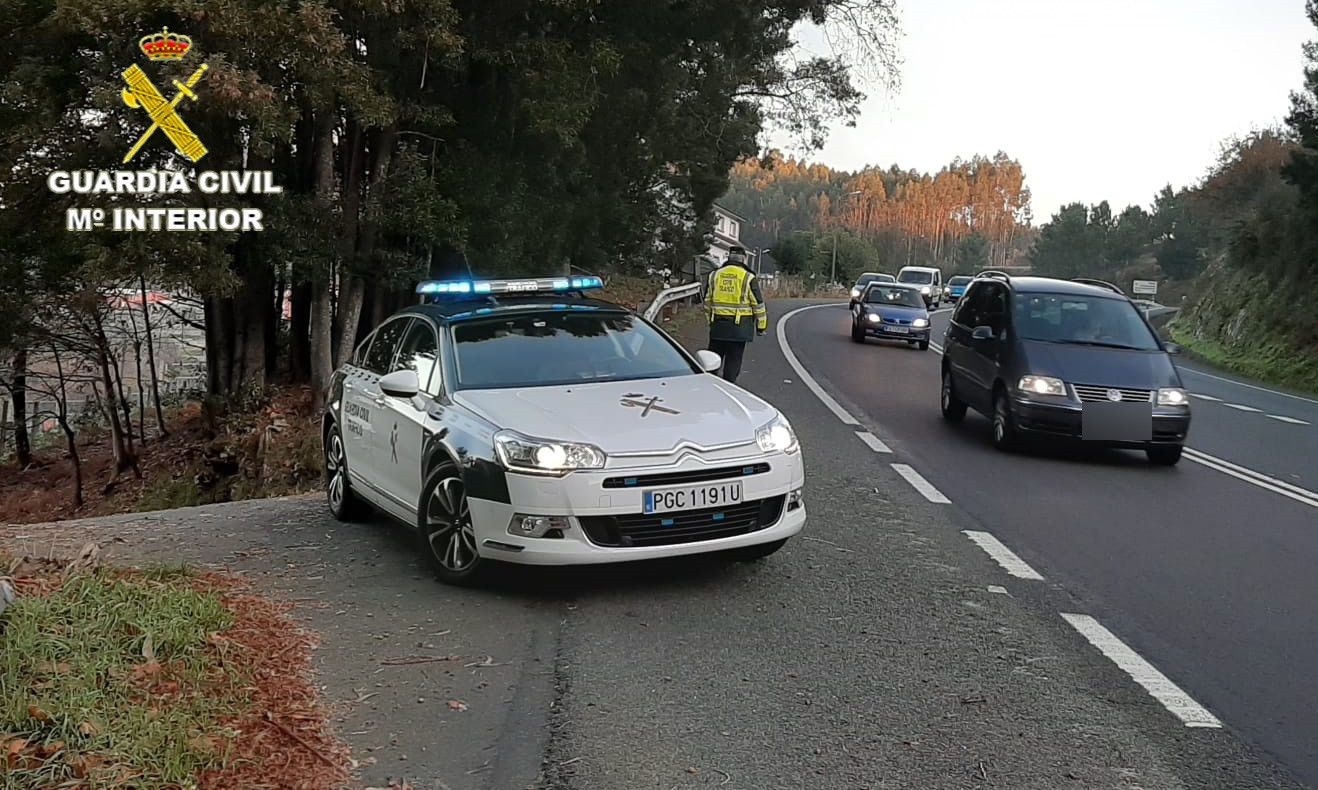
[(1100, 283), (994, 274)]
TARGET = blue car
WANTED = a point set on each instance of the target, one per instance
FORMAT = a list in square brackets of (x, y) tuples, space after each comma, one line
[(891, 311), (956, 286)]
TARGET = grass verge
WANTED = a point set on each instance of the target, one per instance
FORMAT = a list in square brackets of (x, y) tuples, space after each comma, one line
[(154, 679), (1269, 363)]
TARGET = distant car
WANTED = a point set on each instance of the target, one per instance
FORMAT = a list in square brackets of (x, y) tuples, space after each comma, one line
[(956, 286), (891, 311), (864, 280), (1058, 359), (519, 421), (928, 279)]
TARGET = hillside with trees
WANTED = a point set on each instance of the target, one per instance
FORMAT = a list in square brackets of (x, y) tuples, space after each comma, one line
[(410, 140), (967, 216)]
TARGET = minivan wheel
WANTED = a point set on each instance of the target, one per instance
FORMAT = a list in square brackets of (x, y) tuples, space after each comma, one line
[(447, 537), (1004, 428), (1164, 455), (953, 409), (344, 505)]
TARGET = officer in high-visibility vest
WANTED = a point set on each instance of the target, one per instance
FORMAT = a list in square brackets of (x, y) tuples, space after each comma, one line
[(736, 312)]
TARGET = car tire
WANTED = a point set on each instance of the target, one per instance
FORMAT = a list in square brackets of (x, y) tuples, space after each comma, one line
[(924, 345), (1164, 455), (1004, 426), (344, 504), (444, 529), (756, 552), (857, 334), (954, 410)]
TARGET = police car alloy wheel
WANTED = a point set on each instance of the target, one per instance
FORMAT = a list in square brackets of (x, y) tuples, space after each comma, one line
[(446, 528), (344, 504)]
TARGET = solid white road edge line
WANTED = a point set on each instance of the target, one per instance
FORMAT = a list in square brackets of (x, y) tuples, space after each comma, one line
[(1191, 713), (1002, 555), (1290, 420), (873, 441), (1243, 384), (809, 380), (918, 482), (1302, 495)]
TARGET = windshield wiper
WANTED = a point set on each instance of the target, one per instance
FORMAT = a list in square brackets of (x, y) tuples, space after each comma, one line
[(1100, 344)]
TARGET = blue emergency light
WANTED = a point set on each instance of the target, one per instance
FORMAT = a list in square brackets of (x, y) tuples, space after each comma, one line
[(492, 287)]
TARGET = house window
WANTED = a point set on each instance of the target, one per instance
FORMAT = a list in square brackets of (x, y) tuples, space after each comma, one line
[(733, 229)]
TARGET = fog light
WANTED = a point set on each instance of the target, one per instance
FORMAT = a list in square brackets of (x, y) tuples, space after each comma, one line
[(524, 526), (794, 499)]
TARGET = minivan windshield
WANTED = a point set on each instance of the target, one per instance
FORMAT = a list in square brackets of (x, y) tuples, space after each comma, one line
[(895, 295), (959, 281), (916, 277), (558, 347), (1082, 320)]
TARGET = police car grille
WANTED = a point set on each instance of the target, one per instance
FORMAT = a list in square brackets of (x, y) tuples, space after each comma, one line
[(1092, 393), (668, 529), (689, 476)]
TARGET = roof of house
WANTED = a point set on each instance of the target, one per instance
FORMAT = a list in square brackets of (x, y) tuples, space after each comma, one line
[(729, 213)]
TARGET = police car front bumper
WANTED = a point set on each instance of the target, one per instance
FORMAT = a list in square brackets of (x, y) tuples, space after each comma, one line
[(607, 524)]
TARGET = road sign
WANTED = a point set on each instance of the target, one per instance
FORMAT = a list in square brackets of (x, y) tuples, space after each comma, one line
[(1147, 287)]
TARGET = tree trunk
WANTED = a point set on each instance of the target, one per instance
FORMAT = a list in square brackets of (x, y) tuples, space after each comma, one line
[(322, 305), (71, 438), (123, 455), (251, 318), (22, 442), (299, 328), (151, 358), (123, 400)]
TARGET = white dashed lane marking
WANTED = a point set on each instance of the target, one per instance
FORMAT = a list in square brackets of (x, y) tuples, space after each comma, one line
[(1239, 407), (1209, 398), (1002, 555), (1290, 420), (873, 441), (918, 482), (1191, 713)]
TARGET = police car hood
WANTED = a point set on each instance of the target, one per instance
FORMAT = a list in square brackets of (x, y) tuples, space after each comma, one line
[(655, 415)]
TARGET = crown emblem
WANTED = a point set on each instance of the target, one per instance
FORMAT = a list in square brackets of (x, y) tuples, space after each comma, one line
[(165, 45)]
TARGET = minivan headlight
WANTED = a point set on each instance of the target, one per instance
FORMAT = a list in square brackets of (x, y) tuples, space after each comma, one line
[(520, 453), (1041, 385), (777, 436), (1172, 396)]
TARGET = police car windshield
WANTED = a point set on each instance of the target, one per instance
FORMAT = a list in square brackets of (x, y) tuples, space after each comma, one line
[(919, 278), (1082, 320), (561, 347), (905, 297)]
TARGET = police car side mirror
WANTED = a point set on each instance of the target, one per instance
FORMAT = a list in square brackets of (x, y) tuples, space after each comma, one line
[(709, 361), (400, 384)]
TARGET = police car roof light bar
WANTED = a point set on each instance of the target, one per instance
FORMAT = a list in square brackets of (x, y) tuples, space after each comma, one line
[(470, 288)]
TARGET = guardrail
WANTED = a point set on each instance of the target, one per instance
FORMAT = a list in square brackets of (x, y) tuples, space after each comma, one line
[(668, 296)]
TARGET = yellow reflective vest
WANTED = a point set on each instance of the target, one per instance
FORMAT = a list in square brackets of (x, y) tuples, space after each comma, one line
[(734, 304)]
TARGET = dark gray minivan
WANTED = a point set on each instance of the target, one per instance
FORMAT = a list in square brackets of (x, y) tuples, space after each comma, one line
[(1063, 359)]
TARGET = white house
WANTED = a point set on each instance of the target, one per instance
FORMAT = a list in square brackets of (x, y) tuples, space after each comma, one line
[(727, 234)]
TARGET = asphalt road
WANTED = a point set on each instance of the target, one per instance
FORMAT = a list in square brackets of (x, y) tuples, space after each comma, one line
[(1207, 570)]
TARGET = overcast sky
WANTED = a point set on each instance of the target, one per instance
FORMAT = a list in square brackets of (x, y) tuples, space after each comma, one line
[(1098, 100)]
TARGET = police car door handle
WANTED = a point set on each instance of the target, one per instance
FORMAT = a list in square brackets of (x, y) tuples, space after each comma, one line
[(379, 401)]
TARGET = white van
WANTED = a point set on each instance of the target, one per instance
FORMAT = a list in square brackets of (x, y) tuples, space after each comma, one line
[(928, 279)]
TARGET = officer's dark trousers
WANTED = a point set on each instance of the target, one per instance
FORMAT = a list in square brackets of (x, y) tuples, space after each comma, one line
[(731, 351)]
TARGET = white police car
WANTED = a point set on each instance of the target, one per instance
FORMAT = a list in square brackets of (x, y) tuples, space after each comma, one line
[(518, 420)]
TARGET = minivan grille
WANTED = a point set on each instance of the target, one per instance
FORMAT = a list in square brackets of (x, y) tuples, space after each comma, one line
[(1093, 394)]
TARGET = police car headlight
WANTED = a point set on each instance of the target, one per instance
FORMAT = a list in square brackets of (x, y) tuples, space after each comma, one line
[(920, 323), (777, 437), (520, 453)]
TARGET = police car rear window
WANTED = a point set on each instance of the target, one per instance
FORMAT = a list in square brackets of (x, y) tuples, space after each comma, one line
[(558, 348)]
